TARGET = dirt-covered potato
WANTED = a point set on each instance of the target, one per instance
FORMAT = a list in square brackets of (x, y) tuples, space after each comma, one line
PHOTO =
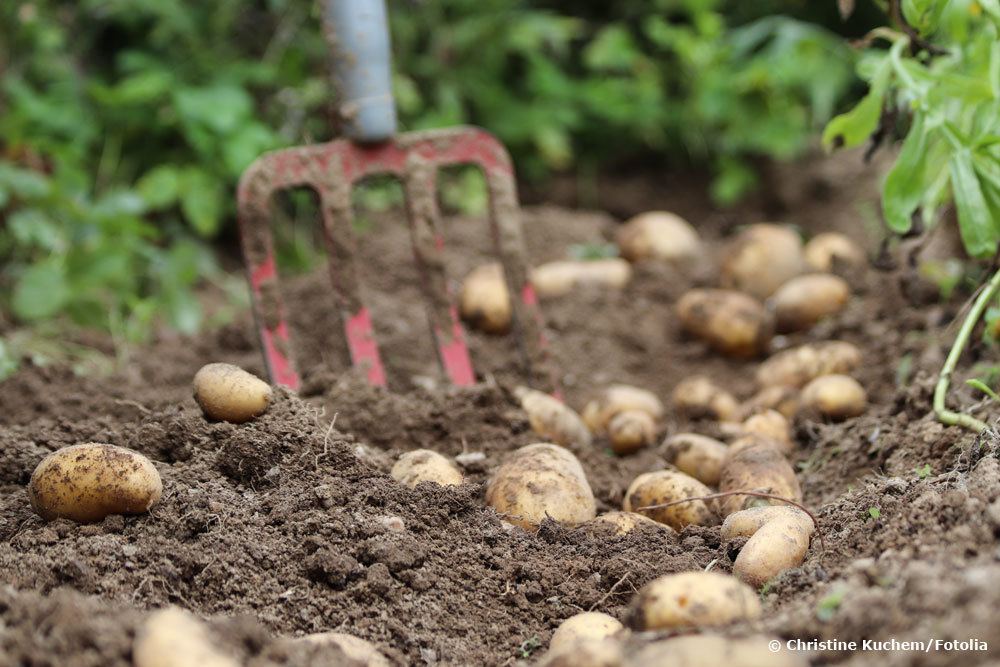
[(584, 653), (797, 366), (484, 302), (772, 425), (754, 440), (172, 637), (559, 278), (358, 651), (803, 301), (732, 323), (424, 465), (779, 538), (710, 650), (761, 259), (660, 235), (622, 523), (831, 251), (552, 419), (696, 455), (693, 600), (229, 393), (583, 626), (630, 431), (88, 482), (780, 398), (664, 486), (619, 398), (538, 481), (698, 397), (835, 396), (762, 468)]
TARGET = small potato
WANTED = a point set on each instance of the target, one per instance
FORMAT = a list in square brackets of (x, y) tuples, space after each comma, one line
[(630, 431), (708, 650), (803, 301), (660, 235), (831, 251), (698, 397), (586, 625), (761, 259), (760, 468), (424, 465), (835, 396), (551, 418), (559, 278), (779, 538), (732, 323), (693, 600), (800, 365), (358, 651), (88, 482), (772, 425), (538, 481), (696, 455), (780, 398), (622, 523), (172, 637), (664, 486), (619, 398), (228, 393), (484, 302), (585, 653)]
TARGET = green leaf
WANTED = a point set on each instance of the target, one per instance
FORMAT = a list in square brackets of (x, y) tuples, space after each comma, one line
[(201, 198), (220, 107), (976, 383), (41, 291), (612, 49), (904, 185), (874, 512), (160, 186), (979, 231), (855, 126)]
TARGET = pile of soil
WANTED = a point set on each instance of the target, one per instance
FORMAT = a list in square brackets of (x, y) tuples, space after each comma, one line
[(290, 524)]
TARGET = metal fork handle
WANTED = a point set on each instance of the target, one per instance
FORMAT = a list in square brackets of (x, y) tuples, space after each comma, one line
[(358, 33)]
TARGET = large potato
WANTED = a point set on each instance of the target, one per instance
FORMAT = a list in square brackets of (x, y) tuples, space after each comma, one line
[(696, 455), (424, 465), (622, 523), (772, 425), (583, 626), (539, 481), (584, 653), (833, 252), (798, 366), (664, 486), (358, 651), (484, 302), (630, 431), (835, 396), (661, 236), (693, 600), (228, 393), (709, 650), (619, 398), (779, 538), (88, 482), (761, 259), (760, 468), (732, 323), (803, 301), (172, 637), (698, 397), (559, 278), (552, 419), (751, 440)]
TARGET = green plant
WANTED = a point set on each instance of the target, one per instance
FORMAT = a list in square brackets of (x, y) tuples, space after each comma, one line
[(875, 513), (827, 607), (924, 471)]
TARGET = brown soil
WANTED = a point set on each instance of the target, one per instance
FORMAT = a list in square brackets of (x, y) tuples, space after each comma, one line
[(290, 524)]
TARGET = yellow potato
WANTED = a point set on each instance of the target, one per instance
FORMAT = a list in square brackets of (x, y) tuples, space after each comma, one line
[(88, 482), (583, 626), (779, 539), (732, 323), (172, 637), (622, 523), (538, 481), (761, 259), (780, 398), (552, 419), (358, 651), (619, 398), (585, 653), (699, 397), (709, 650), (798, 366), (750, 440), (696, 455), (760, 468), (559, 278), (424, 465), (630, 431), (661, 236), (772, 425), (484, 302), (228, 393), (664, 486), (803, 301), (832, 251), (693, 600), (835, 396)]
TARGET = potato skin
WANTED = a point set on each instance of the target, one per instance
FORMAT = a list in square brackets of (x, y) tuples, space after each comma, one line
[(696, 455), (622, 522), (803, 301), (759, 468), (587, 625), (772, 425), (835, 396), (228, 393), (541, 480), (424, 465), (659, 235), (90, 481), (698, 397), (693, 600), (780, 398), (732, 323), (664, 486), (484, 301), (359, 651), (562, 277), (831, 251), (779, 539), (761, 259), (172, 637), (630, 431), (619, 398), (551, 418), (709, 650), (798, 366), (584, 653)]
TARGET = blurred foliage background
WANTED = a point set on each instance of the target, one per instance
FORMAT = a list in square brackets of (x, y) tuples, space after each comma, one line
[(125, 124)]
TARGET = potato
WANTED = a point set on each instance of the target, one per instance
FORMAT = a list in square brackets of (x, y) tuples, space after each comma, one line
[(761, 259), (664, 486), (87, 482), (423, 465), (693, 600), (661, 236), (538, 481), (709, 650), (585, 625), (619, 398), (357, 650), (172, 637), (585, 653), (802, 302), (699, 397), (551, 418), (780, 398), (772, 425), (831, 251), (800, 365), (696, 455), (484, 301), (760, 468), (733, 324), (622, 523), (835, 396), (228, 393), (755, 440), (630, 431), (559, 278), (779, 538)]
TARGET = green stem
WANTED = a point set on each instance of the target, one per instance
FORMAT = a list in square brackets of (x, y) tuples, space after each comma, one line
[(945, 415)]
